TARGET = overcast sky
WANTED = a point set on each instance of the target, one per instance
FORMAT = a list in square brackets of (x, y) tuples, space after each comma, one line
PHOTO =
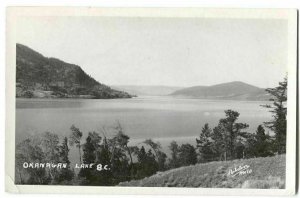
[(163, 51)]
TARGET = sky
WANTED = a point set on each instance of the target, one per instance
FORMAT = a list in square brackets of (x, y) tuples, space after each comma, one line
[(163, 51)]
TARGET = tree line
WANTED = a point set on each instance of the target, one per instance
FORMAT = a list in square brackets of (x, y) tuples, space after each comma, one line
[(230, 140), (227, 141)]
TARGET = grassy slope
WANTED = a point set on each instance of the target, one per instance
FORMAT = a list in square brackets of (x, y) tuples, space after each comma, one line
[(267, 172)]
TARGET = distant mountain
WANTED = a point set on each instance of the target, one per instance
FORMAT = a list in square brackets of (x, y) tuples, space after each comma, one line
[(147, 90), (226, 91), (39, 76)]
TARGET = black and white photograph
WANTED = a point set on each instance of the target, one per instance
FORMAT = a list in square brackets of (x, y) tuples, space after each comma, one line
[(176, 99)]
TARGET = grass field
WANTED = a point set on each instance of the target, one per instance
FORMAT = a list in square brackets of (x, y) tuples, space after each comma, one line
[(268, 172)]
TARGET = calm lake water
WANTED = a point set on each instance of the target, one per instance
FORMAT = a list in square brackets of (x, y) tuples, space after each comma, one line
[(161, 118)]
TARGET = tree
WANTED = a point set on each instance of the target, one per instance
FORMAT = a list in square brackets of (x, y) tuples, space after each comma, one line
[(147, 164), (49, 143), (95, 139), (204, 144), (104, 178), (279, 111), (122, 169), (42, 148), (259, 144), (29, 151), (229, 134), (160, 155), (96, 153), (88, 157), (123, 139), (151, 165), (75, 139), (187, 155), (219, 144), (66, 174), (64, 151), (263, 146), (142, 160), (121, 153), (174, 162), (250, 146), (161, 160), (142, 156)]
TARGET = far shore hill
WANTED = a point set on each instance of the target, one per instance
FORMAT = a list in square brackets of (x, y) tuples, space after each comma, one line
[(236, 90)]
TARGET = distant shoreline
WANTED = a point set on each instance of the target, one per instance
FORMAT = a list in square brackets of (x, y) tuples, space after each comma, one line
[(140, 97)]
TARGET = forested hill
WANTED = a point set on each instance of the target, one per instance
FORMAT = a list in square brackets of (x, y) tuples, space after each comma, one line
[(39, 76)]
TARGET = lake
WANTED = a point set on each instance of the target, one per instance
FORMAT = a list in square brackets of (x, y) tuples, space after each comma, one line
[(161, 118)]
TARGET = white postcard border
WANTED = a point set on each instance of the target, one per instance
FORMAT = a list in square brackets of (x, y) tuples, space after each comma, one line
[(14, 12)]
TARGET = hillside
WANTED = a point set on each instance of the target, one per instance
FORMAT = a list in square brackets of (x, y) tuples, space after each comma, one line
[(226, 91), (147, 90), (268, 172), (39, 76)]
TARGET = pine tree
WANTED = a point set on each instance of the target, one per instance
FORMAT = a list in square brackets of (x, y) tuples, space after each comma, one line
[(142, 156), (64, 151), (229, 134), (219, 143), (204, 144), (263, 146), (147, 164), (161, 160), (151, 166), (89, 157), (104, 178), (279, 111), (89, 151), (260, 134), (250, 146), (259, 144), (174, 162), (187, 155), (65, 174), (142, 161)]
